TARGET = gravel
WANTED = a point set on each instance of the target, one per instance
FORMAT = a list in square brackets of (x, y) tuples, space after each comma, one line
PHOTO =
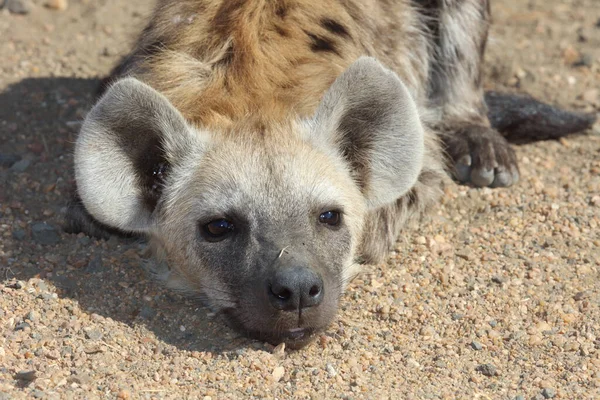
[(506, 278)]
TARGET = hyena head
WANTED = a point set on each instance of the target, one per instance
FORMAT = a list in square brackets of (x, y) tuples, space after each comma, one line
[(263, 222)]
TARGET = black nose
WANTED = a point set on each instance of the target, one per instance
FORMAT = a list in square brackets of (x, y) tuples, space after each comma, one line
[(294, 288)]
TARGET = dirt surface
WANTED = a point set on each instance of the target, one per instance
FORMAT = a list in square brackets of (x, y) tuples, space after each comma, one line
[(495, 296)]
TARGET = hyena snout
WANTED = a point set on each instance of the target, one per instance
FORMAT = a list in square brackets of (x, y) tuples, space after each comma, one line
[(295, 287)]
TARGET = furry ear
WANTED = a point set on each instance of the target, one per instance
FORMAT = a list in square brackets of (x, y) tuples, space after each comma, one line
[(368, 117), (127, 144)]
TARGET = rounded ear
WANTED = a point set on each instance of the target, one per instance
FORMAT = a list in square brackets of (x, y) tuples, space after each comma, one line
[(123, 153), (370, 119)]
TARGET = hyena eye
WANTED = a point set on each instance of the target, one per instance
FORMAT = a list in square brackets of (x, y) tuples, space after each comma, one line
[(331, 218), (217, 230)]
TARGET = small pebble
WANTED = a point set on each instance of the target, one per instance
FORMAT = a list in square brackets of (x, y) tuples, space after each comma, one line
[(584, 61), (279, 350), (278, 373), (84, 240), (7, 160), (17, 285), (22, 326), (60, 5), (20, 166), (457, 316), (519, 397), (476, 345), (93, 334), (147, 312), (548, 393), (32, 316), (95, 264), (487, 370), (19, 6), (26, 376), (44, 234), (19, 234), (331, 371)]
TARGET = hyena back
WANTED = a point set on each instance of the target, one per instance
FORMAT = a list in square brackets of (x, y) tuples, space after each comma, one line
[(264, 149)]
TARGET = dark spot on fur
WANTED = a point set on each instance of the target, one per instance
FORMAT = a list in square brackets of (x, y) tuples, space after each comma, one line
[(281, 31), (281, 9), (459, 55), (334, 27), (321, 44)]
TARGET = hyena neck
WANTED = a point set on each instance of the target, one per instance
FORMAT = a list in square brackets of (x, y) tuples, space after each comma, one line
[(220, 61)]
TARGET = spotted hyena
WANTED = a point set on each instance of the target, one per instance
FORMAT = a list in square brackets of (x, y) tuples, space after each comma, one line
[(266, 146)]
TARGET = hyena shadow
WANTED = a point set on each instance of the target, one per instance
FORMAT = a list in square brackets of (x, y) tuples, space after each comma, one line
[(39, 120)]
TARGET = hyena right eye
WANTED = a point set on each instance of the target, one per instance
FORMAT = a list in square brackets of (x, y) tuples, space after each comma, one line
[(217, 230)]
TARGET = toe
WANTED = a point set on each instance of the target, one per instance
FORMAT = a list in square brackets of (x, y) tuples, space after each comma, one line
[(502, 178), (482, 176), (463, 169)]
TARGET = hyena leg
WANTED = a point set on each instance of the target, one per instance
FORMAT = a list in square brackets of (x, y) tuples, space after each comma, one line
[(479, 154)]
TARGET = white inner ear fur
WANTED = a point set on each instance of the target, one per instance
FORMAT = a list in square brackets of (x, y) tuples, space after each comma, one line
[(107, 182), (388, 143)]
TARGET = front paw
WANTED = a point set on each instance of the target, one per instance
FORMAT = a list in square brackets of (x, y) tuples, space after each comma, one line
[(481, 156)]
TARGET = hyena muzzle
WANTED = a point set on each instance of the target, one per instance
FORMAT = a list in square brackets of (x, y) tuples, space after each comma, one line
[(265, 147)]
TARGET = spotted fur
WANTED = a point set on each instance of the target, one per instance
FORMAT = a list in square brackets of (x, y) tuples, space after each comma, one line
[(266, 113)]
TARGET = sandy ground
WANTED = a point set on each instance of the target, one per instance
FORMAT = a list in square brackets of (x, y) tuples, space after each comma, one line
[(495, 296)]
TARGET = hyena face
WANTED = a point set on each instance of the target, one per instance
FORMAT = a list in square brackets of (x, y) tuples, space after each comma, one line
[(263, 220), (265, 231)]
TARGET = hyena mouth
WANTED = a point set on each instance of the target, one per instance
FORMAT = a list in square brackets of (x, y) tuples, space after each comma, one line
[(295, 338)]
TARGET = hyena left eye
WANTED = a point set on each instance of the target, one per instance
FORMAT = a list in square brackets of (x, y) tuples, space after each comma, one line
[(331, 218), (217, 230)]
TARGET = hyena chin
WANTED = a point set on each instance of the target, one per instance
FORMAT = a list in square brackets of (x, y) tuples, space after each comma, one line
[(266, 146)]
